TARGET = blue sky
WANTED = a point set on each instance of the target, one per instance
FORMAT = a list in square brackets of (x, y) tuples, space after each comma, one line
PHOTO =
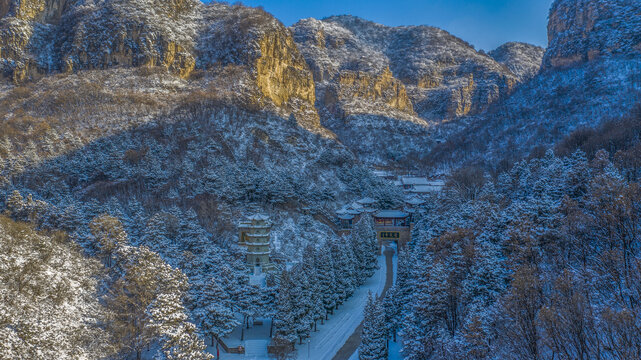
[(484, 23)]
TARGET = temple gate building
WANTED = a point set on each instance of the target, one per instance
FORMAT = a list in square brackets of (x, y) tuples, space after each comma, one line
[(254, 234), (393, 226)]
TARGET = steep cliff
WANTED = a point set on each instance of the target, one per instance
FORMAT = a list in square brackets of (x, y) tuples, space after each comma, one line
[(435, 68), (582, 30), (361, 92), (39, 37), (523, 60), (395, 83), (591, 74)]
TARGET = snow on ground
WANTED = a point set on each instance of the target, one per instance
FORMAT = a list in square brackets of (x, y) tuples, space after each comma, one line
[(331, 336), (255, 342), (395, 349)]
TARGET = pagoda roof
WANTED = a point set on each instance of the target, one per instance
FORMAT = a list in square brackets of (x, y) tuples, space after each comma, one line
[(366, 201), (258, 217), (355, 205), (415, 201)]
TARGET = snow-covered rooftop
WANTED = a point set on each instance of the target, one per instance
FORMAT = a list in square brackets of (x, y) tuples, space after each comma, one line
[(422, 189), (415, 201), (366, 201), (414, 181), (391, 214), (258, 217)]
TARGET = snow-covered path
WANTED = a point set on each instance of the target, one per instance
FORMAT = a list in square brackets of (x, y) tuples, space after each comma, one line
[(331, 336)]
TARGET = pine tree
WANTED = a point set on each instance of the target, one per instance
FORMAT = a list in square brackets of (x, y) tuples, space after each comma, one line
[(326, 278), (285, 319), (193, 237), (156, 235), (268, 299), (302, 301), (365, 248), (178, 337), (138, 220), (393, 312), (374, 337), (344, 274), (217, 318), (143, 278), (109, 236), (310, 269)]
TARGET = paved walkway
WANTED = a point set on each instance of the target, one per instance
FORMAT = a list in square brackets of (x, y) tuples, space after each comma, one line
[(352, 343), (331, 336)]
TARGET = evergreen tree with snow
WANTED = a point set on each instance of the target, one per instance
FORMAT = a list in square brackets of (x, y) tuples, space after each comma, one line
[(310, 269), (179, 339), (217, 318), (302, 300), (193, 237), (285, 319), (109, 235), (365, 247), (156, 235), (325, 272), (374, 336), (343, 260), (393, 312)]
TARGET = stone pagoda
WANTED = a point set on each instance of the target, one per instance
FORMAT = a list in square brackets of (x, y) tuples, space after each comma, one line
[(254, 234)]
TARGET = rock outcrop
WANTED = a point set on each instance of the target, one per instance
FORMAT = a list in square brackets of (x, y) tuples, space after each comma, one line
[(375, 92), (590, 75), (45, 11), (282, 72), (523, 60), (39, 37), (434, 67), (582, 30)]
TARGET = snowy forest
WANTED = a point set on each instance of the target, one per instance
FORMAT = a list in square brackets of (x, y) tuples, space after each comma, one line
[(188, 180), (542, 262)]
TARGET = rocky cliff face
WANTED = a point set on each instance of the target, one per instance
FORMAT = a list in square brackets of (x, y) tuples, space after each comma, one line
[(591, 74), (375, 92), (46, 11), (39, 37), (523, 60), (443, 76), (374, 80), (582, 30)]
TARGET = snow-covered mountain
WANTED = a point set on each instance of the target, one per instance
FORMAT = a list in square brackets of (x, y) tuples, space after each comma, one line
[(584, 30), (523, 60), (178, 118), (399, 83), (590, 76)]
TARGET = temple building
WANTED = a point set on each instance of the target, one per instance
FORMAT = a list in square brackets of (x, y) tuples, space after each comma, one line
[(393, 226), (254, 234)]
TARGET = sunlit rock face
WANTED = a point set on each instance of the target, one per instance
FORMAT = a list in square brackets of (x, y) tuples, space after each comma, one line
[(442, 76), (41, 37), (583, 30)]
